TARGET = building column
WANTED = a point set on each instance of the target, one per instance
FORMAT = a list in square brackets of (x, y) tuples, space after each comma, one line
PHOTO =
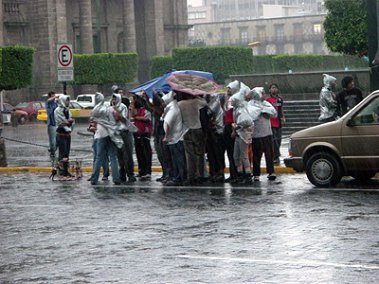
[(129, 26), (158, 25), (61, 21), (85, 22), (1, 23)]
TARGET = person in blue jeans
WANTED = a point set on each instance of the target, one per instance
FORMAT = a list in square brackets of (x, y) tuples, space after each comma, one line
[(107, 139), (50, 106), (174, 133)]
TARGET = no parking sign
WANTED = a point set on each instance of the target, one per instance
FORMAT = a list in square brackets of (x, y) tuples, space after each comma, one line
[(65, 62)]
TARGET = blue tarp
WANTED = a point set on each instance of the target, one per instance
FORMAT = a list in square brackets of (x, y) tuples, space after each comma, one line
[(160, 84)]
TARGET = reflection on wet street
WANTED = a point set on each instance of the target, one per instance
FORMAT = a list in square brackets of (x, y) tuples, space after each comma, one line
[(276, 232)]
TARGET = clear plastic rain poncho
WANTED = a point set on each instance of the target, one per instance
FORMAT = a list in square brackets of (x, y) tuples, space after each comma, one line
[(122, 108), (59, 114), (328, 105), (261, 106), (243, 113), (103, 116), (215, 106), (172, 118)]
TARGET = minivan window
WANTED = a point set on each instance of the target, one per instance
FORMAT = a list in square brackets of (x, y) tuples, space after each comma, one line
[(369, 114)]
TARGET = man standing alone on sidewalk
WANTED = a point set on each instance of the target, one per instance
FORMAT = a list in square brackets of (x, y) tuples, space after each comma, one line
[(50, 106), (276, 122)]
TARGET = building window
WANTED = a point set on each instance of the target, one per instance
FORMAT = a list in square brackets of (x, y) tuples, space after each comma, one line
[(261, 35), (298, 29), (317, 29), (279, 33), (244, 36), (197, 15), (77, 44), (225, 36)]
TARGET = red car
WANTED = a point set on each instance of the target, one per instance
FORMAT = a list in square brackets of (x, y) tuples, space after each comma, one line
[(20, 115), (31, 108)]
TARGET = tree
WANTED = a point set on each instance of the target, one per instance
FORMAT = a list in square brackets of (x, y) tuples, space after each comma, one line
[(346, 26)]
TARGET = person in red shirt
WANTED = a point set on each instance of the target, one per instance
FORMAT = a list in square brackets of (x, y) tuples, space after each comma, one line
[(276, 122)]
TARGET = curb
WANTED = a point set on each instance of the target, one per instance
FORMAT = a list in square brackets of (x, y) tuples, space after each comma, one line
[(33, 169)]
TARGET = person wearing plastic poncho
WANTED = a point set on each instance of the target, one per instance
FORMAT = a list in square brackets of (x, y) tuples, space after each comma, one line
[(244, 116), (328, 103), (214, 139), (174, 133), (262, 141), (125, 153), (107, 138), (231, 89), (64, 123)]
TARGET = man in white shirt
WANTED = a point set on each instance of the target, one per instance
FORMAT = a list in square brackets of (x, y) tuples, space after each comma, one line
[(194, 142), (174, 132)]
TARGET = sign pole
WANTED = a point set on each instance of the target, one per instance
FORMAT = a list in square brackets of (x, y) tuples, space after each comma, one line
[(65, 88)]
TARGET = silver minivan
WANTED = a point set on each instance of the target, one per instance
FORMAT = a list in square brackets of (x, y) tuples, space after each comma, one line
[(348, 146)]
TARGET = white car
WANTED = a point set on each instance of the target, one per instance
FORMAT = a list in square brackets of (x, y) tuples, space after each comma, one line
[(86, 100)]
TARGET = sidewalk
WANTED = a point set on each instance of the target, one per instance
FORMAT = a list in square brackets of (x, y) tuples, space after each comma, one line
[(26, 150)]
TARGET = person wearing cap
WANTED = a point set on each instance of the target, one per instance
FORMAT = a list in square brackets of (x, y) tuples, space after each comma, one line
[(328, 103)]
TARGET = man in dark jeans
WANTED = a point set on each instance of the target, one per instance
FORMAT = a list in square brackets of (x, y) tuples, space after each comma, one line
[(163, 153), (125, 154), (64, 124), (174, 132), (50, 106), (276, 122), (349, 97), (228, 138)]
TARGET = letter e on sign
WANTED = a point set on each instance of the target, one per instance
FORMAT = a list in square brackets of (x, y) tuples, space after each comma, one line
[(65, 56)]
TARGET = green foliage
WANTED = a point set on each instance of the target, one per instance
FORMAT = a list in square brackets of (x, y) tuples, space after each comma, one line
[(16, 67), (103, 68), (262, 64), (221, 61), (160, 65), (305, 62), (346, 26)]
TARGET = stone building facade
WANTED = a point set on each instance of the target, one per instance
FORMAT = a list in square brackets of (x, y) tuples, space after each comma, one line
[(148, 27), (284, 35)]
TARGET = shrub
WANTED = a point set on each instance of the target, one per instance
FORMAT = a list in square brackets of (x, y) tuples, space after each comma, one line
[(16, 67), (103, 68), (221, 61), (160, 65), (262, 64), (297, 62)]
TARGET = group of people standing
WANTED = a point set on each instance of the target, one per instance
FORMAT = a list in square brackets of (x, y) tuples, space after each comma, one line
[(191, 134)]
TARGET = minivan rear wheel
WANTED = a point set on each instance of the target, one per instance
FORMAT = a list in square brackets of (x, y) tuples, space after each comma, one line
[(323, 170)]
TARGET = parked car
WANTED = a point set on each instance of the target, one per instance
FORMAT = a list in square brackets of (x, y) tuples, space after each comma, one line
[(346, 147), (86, 100), (74, 110), (107, 100), (31, 108), (20, 115)]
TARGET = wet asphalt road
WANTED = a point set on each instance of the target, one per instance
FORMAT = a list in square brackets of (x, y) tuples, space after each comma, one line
[(272, 232)]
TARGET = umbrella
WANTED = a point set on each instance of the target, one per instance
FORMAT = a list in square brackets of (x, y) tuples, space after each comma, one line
[(160, 84), (192, 84)]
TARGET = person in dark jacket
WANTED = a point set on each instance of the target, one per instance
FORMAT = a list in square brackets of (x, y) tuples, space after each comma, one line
[(349, 97), (50, 106)]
